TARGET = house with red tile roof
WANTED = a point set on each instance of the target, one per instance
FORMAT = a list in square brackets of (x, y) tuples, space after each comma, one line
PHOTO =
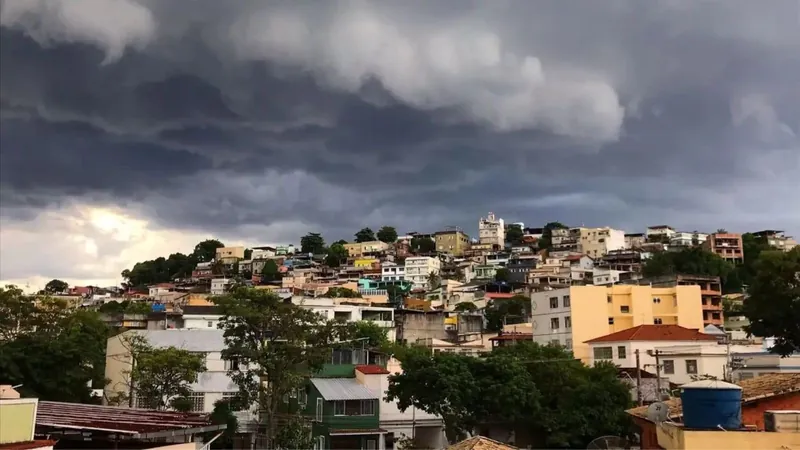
[(672, 342)]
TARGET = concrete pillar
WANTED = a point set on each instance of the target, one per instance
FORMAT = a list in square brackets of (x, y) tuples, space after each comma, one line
[(382, 441)]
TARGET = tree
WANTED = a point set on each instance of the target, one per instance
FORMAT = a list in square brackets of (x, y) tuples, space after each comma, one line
[(56, 286), (341, 292), (506, 312), (270, 271), (387, 234), (56, 352), (312, 243), (465, 307), (692, 261), (545, 242), (514, 234), (275, 346), (365, 235), (162, 375), (434, 280), (502, 275), (248, 254), (223, 413), (295, 433), (423, 245), (773, 304), (536, 389), (752, 247), (376, 337), (337, 254), (207, 250)]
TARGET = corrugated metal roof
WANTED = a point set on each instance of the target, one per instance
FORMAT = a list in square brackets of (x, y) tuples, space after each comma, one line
[(342, 389)]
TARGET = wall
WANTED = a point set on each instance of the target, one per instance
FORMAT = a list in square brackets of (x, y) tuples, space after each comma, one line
[(118, 361), (17, 420), (753, 412), (418, 325), (674, 437)]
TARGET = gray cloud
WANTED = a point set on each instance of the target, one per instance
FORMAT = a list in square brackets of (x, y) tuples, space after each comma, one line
[(232, 118)]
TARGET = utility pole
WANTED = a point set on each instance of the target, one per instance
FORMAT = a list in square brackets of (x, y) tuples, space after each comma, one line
[(658, 377), (638, 379)]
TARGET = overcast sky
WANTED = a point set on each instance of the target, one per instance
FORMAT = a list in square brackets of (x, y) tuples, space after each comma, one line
[(135, 128)]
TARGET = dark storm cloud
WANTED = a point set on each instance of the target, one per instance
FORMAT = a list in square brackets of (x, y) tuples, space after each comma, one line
[(374, 113)]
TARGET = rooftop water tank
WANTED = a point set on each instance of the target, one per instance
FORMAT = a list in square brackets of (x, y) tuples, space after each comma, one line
[(711, 404)]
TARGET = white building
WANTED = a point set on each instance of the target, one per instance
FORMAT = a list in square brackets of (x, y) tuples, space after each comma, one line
[(329, 309), (606, 277), (687, 239), (552, 318), (200, 317), (660, 233), (491, 231), (392, 272), (597, 242), (219, 286), (419, 268)]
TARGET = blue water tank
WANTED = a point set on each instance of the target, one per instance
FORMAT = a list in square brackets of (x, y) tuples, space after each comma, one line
[(711, 404)]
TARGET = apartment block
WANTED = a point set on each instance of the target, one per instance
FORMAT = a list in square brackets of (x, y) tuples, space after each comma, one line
[(597, 242), (777, 239), (710, 293), (574, 315), (491, 230), (229, 255), (635, 240), (659, 233), (454, 242), (726, 245), (359, 250), (392, 272), (419, 268)]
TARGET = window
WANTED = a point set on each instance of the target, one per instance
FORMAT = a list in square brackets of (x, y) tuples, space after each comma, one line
[(567, 301), (372, 444), (624, 309), (568, 344), (210, 324), (609, 299), (554, 323), (555, 342), (338, 408), (568, 322), (657, 321), (611, 321), (553, 302), (603, 353), (621, 352), (145, 403), (669, 366), (353, 407), (231, 364), (319, 409), (656, 300), (198, 401), (367, 407), (302, 397), (691, 366)]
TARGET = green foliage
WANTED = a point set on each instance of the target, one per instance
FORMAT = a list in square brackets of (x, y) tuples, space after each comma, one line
[(294, 434), (693, 261), (773, 304), (248, 254), (161, 375), (514, 234), (365, 235), (206, 251), (376, 336), (337, 254), (422, 245), (312, 243), (387, 234), (178, 265), (52, 350), (506, 312), (537, 388), (55, 286), (270, 271), (434, 280), (341, 292), (271, 340), (752, 246), (223, 414), (546, 241), (502, 275), (465, 307)]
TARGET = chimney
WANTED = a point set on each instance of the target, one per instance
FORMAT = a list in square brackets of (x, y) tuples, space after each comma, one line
[(7, 392)]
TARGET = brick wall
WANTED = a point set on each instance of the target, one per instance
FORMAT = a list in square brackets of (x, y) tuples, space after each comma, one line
[(753, 412)]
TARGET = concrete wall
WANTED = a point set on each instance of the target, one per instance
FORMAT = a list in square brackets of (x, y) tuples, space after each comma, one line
[(17, 420), (675, 437)]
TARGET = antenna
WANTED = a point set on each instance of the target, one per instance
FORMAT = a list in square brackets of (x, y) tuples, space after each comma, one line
[(609, 443), (658, 412)]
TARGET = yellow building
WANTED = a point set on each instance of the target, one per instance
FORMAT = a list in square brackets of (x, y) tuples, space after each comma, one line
[(673, 436), (230, 255), (359, 250), (455, 242), (574, 315), (365, 262)]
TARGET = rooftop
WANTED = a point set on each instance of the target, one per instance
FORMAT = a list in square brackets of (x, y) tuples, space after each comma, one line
[(655, 333), (480, 443), (342, 389), (764, 386), (372, 369)]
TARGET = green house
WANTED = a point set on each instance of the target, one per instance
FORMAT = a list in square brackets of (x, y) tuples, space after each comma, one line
[(345, 415)]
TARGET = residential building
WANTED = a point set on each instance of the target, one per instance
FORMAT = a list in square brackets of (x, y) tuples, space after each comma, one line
[(597, 242), (627, 260), (212, 385), (777, 239), (334, 308), (419, 268), (608, 277), (685, 353), (659, 233), (263, 252), (219, 286), (574, 315), (229, 255), (726, 245), (710, 291), (200, 317), (756, 361), (518, 269), (564, 241), (161, 288), (485, 271), (414, 325), (366, 263), (454, 242), (687, 239), (392, 272), (203, 270), (358, 250), (634, 240), (497, 259), (491, 230)]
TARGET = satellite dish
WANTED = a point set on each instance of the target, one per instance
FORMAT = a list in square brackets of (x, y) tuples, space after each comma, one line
[(657, 412), (609, 443)]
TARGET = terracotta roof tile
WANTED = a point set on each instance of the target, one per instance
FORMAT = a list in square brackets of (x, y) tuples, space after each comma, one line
[(764, 386), (28, 445), (655, 333), (372, 369), (480, 443)]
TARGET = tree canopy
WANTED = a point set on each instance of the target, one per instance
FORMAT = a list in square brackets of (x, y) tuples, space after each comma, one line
[(538, 390), (465, 307), (506, 312), (423, 245), (545, 242), (57, 353), (773, 303), (206, 251), (341, 292), (312, 243), (514, 234), (694, 261), (270, 271), (502, 275), (387, 234), (177, 265), (337, 255), (365, 235), (55, 286)]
